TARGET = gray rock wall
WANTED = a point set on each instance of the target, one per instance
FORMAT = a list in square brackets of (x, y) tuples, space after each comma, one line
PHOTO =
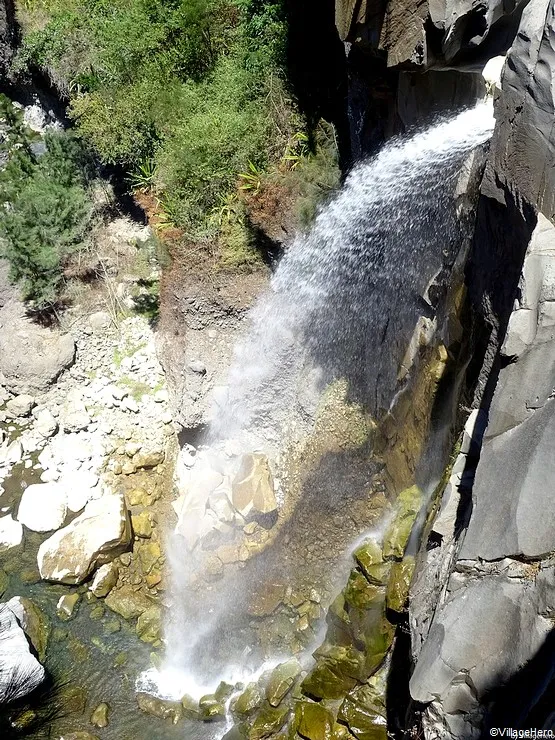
[(483, 601)]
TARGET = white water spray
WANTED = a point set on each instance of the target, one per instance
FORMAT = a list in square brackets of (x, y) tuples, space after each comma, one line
[(342, 304)]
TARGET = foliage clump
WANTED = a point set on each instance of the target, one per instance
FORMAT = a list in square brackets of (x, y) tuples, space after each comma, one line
[(45, 206), (183, 94)]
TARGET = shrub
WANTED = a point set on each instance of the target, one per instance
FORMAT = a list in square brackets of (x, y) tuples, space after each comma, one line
[(44, 211)]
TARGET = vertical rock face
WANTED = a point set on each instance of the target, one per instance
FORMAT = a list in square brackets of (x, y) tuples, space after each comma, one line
[(483, 600)]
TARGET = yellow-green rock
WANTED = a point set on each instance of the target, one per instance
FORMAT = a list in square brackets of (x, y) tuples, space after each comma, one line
[(268, 721), (363, 711), (128, 603), (99, 717), (361, 594), (248, 701), (66, 606), (211, 709), (398, 533), (314, 721), (149, 624), (281, 680), (327, 681), (142, 524), (399, 584), (161, 708)]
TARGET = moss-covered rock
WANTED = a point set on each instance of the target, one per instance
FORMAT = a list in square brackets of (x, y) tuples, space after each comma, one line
[(224, 691), (128, 603), (314, 721), (327, 681), (361, 594), (66, 606), (398, 532), (149, 624), (268, 721), (211, 709), (399, 584), (99, 717), (363, 711), (160, 708), (34, 623), (281, 681), (190, 707), (247, 702)]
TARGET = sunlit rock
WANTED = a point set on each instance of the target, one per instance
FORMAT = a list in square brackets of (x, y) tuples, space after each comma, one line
[(20, 671), (11, 533), (95, 537), (281, 681), (43, 507), (104, 580), (253, 486)]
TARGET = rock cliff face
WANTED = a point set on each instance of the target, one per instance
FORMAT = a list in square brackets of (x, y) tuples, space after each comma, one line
[(483, 599), (7, 35)]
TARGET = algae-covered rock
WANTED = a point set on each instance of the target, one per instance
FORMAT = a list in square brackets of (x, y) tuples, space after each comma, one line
[(399, 584), (248, 701), (4, 582), (268, 721), (99, 717), (79, 735), (398, 533), (211, 709), (368, 555), (128, 603), (149, 624), (160, 707), (361, 594), (190, 707), (34, 623), (378, 641), (363, 711), (327, 681), (314, 721), (224, 691), (142, 524), (281, 680)]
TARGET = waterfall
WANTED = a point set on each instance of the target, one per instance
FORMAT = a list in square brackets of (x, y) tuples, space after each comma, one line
[(342, 304)]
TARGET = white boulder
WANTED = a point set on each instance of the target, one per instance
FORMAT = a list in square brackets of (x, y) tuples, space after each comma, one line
[(11, 533), (43, 507)]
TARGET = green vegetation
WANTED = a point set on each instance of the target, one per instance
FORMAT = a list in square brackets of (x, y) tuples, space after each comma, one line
[(188, 96), (44, 206)]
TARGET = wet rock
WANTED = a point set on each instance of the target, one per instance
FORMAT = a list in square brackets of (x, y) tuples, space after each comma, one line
[(247, 702), (128, 603), (34, 623), (268, 721), (20, 671), (281, 681), (80, 735), (399, 584), (149, 624), (104, 580), (43, 507), (11, 533), (253, 487), (66, 606), (211, 709), (224, 691), (314, 721), (364, 713), (398, 533), (361, 594), (190, 707), (160, 708), (4, 582), (20, 405), (327, 680), (99, 717), (95, 537)]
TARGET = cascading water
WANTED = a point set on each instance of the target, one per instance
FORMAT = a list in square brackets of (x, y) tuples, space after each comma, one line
[(342, 304)]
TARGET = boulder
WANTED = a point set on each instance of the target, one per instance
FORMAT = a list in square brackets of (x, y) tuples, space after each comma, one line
[(313, 721), (104, 580), (281, 681), (32, 357), (11, 533), (20, 671), (160, 708), (46, 425), (33, 622), (20, 405), (43, 507), (94, 538), (253, 486), (128, 603)]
